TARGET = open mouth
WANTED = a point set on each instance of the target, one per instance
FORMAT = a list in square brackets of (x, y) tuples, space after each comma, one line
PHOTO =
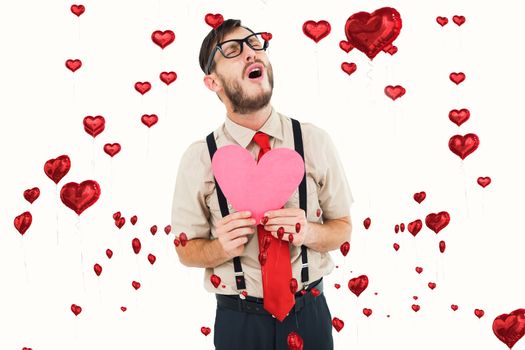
[(256, 73)]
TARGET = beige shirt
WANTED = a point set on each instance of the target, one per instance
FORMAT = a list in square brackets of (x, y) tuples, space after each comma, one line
[(196, 208)]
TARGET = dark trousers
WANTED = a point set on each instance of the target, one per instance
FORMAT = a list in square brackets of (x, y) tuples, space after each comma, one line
[(237, 330)]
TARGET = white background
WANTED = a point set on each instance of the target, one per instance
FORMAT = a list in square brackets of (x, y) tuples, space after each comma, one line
[(390, 149)]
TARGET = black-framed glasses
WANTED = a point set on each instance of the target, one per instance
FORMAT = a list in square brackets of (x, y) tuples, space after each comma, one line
[(233, 48)]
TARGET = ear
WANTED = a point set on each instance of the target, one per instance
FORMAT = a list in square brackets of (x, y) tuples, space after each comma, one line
[(212, 82)]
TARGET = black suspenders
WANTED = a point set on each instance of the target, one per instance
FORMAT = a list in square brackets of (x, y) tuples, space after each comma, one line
[(298, 142)]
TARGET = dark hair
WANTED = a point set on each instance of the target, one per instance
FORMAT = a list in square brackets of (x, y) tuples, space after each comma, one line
[(216, 36)]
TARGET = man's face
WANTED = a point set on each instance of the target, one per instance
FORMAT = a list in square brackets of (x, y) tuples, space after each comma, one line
[(245, 94)]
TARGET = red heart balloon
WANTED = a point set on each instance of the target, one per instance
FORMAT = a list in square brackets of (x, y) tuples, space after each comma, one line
[(459, 20), (366, 223), (214, 20), (509, 328), (135, 244), (436, 222), (142, 87), (133, 219), (94, 125), (457, 77), (420, 196), (442, 20), (153, 229), (315, 292), (459, 117), (316, 30), (23, 221), (442, 246), (76, 309), (123, 308), (167, 229), (367, 312), (149, 120), (337, 324), (109, 253), (32, 194), (484, 181), (73, 65), (419, 269), (78, 9), (293, 285), (120, 222), (345, 248), (168, 77), (454, 307), (152, 258), (348, 68), (415, 226), (373, 32), (205, 330), (98, 269), (215, 280), (431, 285), (396, 246), (57, 168), (295, 342), (394, 92), (163, 38), (183, 239), (479, 313), (415, 307), (396, 228), (79, 197), (358, 284), (112, 148), (345, 46), (462, 146), (402, 227), (135, 285)]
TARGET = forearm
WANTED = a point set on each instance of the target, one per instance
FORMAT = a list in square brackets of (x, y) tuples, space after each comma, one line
[(328, 235), (201, 252)]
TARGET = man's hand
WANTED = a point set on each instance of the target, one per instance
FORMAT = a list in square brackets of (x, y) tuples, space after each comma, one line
[(288, 224), (232, 231)]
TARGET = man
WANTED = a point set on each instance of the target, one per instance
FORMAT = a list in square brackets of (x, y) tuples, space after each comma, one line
[(251, 258)]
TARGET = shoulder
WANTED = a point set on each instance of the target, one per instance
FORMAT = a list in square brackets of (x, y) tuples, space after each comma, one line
[(196, 152)]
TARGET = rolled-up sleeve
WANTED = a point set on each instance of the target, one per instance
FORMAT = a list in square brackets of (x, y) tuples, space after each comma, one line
[(190, 214), (335, 196)]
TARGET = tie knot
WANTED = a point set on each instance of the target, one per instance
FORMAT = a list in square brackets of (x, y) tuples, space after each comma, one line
[(262, 139)]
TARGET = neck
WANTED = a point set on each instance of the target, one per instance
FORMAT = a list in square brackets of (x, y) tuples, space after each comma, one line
[(253, 120)]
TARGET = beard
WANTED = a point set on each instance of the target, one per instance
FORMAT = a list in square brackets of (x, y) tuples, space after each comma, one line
[(242, 103)]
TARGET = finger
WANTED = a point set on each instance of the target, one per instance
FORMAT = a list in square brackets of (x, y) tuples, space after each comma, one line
[(285, 238), (237, 242), (232, 225), (283, 212), (234, 216), (283, 220), (243, 231)]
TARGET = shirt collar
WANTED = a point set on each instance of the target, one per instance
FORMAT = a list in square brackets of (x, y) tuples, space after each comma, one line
[(243, 135)]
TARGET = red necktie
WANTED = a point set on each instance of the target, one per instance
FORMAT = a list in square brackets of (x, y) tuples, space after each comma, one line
[(274, 256)]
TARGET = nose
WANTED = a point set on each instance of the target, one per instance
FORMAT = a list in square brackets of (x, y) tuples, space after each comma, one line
[(249, 52)]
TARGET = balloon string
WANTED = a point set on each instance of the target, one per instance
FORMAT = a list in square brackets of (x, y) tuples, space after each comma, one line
[(93, 158), (147, 144), (166, 103), (138, 267), (56, 207), (317, 65), (77, 226), (465, 187), (74, 89), (25, 260)]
